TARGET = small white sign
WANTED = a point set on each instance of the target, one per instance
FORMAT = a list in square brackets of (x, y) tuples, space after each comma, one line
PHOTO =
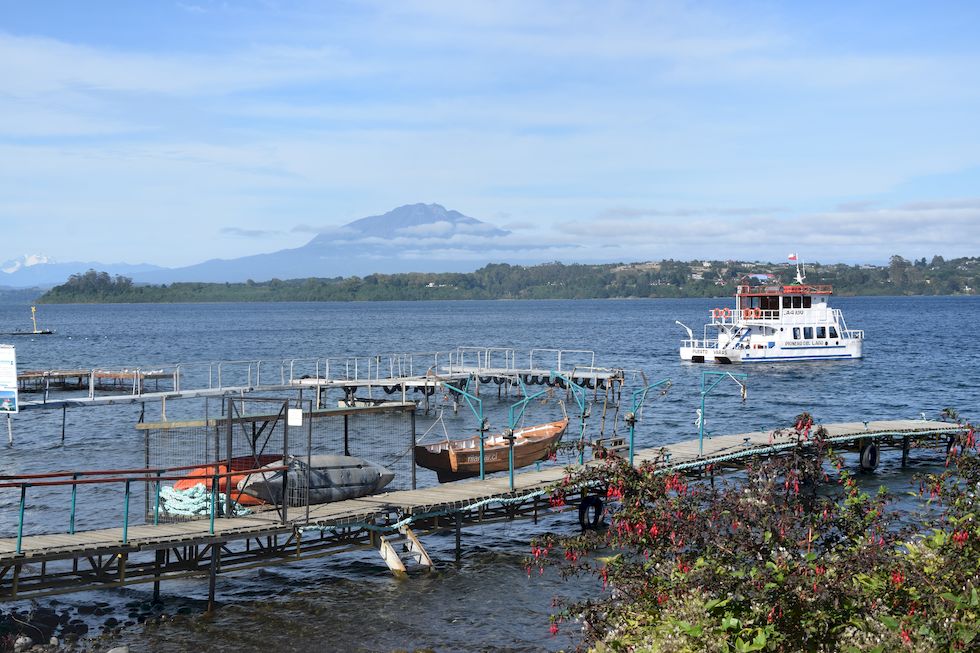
[(294, 417), (8, 379)]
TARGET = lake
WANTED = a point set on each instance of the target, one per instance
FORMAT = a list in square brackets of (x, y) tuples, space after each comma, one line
[(919, 358)]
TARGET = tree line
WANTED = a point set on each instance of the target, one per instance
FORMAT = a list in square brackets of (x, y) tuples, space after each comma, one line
[(555, 280)]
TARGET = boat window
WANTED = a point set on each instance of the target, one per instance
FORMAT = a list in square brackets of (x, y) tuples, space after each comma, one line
[(797, 302), (796, 333), (821, 332), (787, 301), (807, 301), (833, 332), (808, 333)]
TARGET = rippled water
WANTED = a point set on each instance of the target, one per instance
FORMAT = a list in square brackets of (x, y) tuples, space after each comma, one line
[(919, 358)]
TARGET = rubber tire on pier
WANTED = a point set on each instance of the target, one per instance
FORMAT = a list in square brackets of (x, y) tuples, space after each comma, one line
[(485, 379), (390, 389), (869, 457), (590, 522)]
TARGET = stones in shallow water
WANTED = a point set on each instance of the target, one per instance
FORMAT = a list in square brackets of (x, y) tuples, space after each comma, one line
[(23, 643)]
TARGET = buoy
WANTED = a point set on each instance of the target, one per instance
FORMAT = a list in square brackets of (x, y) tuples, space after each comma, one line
[(590, 512), (869, 457)]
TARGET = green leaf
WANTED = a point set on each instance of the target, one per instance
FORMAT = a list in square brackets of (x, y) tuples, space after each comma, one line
[(949, 596), (891, 623), (974, 599), (715, 603)]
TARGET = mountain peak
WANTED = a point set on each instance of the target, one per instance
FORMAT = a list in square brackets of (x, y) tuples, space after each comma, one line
[(25, 261), (414, 221)]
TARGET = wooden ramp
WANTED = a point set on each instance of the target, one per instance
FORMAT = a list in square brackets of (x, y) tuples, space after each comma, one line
[(97, 558)]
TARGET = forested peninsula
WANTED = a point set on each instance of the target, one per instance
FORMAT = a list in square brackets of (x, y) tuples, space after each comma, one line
[(546, 281)]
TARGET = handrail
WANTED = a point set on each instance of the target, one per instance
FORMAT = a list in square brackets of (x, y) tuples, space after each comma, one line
[(147, 478), (156, 479)]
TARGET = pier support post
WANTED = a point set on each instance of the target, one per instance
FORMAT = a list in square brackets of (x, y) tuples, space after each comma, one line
[(10, 430), (213, 574), (905, 451), (64, 416), (459, 538), (156, 581)]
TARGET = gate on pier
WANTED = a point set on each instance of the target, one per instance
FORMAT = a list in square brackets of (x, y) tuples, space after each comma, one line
[(258, 432)]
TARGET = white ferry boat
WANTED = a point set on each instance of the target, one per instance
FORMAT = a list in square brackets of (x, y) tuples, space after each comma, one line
[(775, 323)]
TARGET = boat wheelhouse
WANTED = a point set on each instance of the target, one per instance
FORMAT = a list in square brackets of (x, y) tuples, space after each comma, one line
[(775, 323)]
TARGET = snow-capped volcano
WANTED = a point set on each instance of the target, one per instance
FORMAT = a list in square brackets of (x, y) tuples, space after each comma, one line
[(25, 261)]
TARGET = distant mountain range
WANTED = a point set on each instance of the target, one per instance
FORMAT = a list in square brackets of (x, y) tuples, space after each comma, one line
[(401, 240), (34, 270)]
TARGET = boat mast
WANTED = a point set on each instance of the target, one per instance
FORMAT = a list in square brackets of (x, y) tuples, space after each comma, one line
[(34, 317), (800, 268)]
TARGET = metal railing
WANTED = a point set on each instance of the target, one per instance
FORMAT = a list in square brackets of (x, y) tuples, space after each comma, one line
[(126, 477)]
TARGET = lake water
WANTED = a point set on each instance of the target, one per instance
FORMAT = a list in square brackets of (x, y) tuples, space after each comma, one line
[(920, 355)]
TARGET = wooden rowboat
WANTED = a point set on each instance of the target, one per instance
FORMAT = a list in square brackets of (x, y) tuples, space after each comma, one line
[(455, 459)]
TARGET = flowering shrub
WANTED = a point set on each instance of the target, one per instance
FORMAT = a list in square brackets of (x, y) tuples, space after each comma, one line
[(790, 556)]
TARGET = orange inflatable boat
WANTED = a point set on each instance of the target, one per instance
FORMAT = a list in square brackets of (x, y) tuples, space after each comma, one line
[(205, 476)]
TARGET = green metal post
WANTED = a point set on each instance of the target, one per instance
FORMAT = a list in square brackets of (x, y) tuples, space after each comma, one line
[(20, 522), (156, 505), (126, 515), (580, 398), (214, 500), (476, 406), (704, 393), (639, 396), (74, 496), (513, 418)]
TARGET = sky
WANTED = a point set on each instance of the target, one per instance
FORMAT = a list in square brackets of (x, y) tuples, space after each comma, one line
[(175, 132)]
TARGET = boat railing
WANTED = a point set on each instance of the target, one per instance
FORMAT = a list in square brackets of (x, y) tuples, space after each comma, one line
[(794, 289), (853, 334), (700, 343)]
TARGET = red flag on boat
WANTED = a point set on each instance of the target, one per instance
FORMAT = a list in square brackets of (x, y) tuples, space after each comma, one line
[(792, 257)]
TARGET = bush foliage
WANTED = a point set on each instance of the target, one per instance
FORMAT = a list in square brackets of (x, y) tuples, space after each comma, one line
[(794, 556)]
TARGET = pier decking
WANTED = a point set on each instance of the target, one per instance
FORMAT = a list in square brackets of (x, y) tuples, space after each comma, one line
[(59, 563)]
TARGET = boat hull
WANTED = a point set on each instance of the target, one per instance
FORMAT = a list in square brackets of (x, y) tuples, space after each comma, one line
[(327, 478), (847, 350), (459, 459)]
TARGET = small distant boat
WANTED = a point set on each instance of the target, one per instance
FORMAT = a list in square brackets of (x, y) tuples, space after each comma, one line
[(326, 478), (452, 460), (36, 331)]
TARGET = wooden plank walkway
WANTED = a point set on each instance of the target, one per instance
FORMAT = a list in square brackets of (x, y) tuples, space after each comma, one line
[(384, 508)]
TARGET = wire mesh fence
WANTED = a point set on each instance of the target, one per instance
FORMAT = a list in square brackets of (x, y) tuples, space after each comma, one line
[(233, 463)]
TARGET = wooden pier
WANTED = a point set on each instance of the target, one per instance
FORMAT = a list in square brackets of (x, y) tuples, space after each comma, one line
[(41, 565)]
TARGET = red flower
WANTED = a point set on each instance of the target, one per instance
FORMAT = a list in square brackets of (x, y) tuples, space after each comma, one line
[(897, 578), (554, 629)]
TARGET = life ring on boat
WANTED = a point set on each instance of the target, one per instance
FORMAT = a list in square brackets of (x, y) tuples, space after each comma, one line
[(756, 312), (717, 312), (746, 313), (726, 312), (590, 513), (869, 457)]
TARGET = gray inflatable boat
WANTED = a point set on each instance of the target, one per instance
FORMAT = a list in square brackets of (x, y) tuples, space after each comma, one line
[(327, 478)]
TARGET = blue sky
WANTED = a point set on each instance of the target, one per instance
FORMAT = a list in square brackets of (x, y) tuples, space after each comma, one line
[(171, 133)]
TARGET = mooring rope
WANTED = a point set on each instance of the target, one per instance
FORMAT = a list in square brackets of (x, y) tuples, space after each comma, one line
[(424, 515)]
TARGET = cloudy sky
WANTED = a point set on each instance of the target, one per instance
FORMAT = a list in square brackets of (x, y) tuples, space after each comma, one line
[(173, 132)]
